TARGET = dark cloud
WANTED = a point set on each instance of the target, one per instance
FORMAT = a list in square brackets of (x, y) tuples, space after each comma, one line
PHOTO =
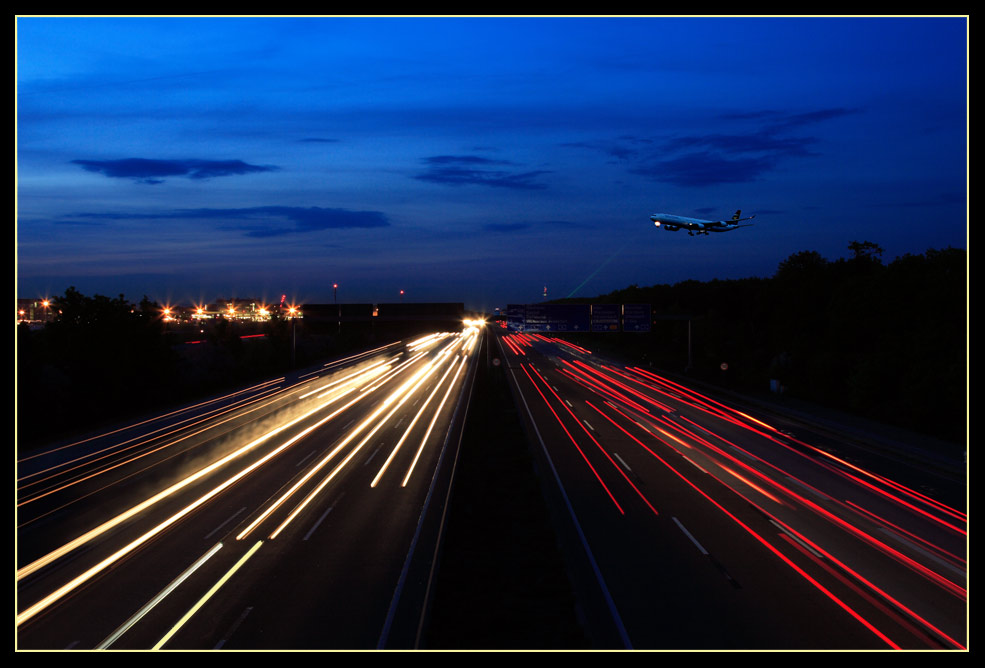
[(264, 221), (457, 170), (152, 172), (701, 160), (759, 142), (788, 121)]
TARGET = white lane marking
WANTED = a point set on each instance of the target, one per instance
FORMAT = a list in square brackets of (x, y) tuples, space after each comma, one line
[(312, 529), (589, 425), (374, 454), (694, 464), (232, 629), (799, 541), (323, 516), (807, 488), (304, 459), (688, 534), (234, 515), (610, 602), (954, 569), (622, 461)]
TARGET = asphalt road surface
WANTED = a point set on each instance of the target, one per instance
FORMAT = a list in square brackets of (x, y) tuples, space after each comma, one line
[(692, 524), (301, 513)]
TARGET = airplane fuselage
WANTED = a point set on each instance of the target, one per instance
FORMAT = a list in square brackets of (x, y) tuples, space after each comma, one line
[(672, 223)]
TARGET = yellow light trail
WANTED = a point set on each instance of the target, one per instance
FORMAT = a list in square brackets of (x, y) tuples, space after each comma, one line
[(209, 594), (399, 395), (105, 563), (433, 420), (159, 417), (122, 517), (420, 412), (150, 605)]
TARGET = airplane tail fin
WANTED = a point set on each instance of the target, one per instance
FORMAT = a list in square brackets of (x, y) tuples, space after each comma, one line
[(737, 214)]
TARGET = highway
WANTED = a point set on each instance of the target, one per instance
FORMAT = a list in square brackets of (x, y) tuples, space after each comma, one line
[(691, 523), (300, 513)]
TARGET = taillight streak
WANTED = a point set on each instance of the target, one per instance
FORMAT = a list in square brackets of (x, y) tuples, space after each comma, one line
[(885, 481), (573, 441), (763, 541), (953, 558), (857, 532), (899, 606), (872, 600), (596, 373), (587, 433), (594, 386)]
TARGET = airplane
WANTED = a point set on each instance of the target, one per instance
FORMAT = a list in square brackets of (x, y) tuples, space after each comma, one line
[(672, 223)]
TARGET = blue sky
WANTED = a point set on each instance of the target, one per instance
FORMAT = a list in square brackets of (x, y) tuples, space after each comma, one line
[(474, 160)]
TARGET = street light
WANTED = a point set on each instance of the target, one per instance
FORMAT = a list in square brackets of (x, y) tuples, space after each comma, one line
[(338, 309), (292, 311)]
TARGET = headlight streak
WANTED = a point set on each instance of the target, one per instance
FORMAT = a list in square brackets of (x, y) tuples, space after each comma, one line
[(765, 543), (407, 431), (603, 450), (573, 441), (84, 577), (343, 379), (916, 567), (351, 358), (106, 526), (434, 419), (150, 605), (266, 394), (400, 395), (144, 439), (82, 478), (138, 424), (211, 592), (397, 370)]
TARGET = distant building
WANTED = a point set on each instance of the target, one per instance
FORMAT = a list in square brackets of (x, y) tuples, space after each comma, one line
[(33, 311)]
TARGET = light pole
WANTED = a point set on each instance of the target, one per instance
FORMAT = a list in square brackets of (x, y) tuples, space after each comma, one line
[(338, 309), (293, 313)]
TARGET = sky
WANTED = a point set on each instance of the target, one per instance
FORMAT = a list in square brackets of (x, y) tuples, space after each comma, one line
[(475, 160)]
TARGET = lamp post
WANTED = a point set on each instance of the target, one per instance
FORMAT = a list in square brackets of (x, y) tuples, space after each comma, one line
[(292, 311), (338, 309)]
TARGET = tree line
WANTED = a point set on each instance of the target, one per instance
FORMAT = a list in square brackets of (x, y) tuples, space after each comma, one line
[(885, 341)]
